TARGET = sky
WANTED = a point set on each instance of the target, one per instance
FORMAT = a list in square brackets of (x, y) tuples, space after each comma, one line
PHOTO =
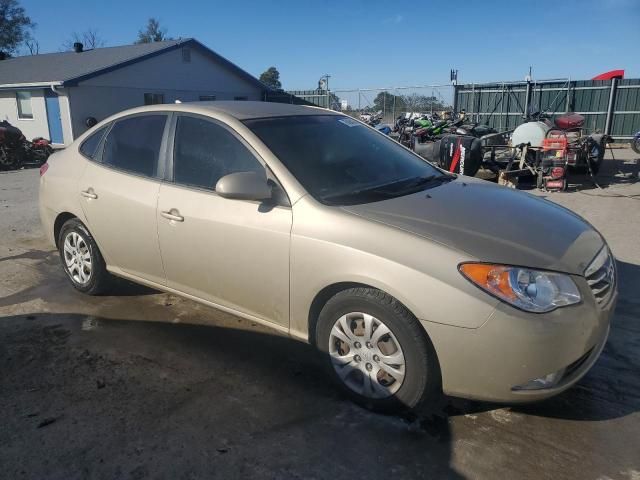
[(371, 44)]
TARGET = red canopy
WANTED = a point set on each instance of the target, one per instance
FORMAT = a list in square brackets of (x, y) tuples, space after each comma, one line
[(610, 75)]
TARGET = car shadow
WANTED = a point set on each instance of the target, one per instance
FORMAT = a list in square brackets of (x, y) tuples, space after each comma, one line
[(613, 172), (253, 404)]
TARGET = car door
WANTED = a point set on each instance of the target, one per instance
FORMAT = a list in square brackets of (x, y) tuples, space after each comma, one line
[(119, 194), (233, 253)]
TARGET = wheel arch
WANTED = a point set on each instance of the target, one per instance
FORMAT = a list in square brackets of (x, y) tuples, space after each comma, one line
[(60, 220), (324, 295)]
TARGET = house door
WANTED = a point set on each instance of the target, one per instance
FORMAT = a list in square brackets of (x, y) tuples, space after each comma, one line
[(53, 117)]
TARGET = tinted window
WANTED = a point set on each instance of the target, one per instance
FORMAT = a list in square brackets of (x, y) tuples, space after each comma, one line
[(90, 145), (204, 152), (340, 161), (133, 144)]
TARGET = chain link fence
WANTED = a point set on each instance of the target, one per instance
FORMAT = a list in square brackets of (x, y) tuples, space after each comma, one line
[(610, 106), (389, 102)]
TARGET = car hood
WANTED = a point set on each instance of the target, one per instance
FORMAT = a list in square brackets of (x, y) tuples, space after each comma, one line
[(492, 224)]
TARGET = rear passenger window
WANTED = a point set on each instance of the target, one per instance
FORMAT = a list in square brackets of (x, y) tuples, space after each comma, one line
[(204, 152), (133, 144), (90, 145)]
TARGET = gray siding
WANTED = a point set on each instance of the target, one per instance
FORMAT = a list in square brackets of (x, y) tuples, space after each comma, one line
[(166, 74)]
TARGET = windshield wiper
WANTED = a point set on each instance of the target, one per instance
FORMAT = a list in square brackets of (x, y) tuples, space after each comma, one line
[(415, 184), (392, 189)]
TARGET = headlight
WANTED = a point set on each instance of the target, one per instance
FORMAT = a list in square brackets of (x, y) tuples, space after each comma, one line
[(530, 290)]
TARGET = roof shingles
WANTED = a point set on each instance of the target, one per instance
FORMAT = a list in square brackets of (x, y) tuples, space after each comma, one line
[(57, 68)]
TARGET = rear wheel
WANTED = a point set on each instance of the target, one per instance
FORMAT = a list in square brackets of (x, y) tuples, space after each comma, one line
[(635, 144), (376, 351), (81, 259)]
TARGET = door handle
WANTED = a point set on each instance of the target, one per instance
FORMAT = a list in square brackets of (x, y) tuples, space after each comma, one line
[(173, 214), (89, 194)]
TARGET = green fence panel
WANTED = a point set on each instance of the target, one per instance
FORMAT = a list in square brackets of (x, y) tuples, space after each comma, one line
[(502, 105)]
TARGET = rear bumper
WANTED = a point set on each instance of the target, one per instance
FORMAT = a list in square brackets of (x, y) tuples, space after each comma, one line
[(513, 348)]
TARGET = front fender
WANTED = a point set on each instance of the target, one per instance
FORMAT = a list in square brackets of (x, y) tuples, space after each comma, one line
[(330, 247)]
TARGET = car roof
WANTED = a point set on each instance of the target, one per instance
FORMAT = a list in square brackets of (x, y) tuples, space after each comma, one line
[(238, 110), (245, 110)]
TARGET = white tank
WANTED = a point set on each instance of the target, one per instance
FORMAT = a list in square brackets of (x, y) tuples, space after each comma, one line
[(530, 132)]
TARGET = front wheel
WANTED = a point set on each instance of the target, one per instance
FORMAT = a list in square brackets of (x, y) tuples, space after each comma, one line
[(377, 351), (635, 144)]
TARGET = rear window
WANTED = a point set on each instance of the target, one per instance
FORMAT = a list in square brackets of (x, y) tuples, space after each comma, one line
[(90, 146), (133, 144)]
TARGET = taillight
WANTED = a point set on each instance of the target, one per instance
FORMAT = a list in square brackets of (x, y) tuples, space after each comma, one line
[(44, 168), (557, 172)]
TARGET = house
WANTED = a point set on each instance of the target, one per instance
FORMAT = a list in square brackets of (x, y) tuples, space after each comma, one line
[(56, 95)]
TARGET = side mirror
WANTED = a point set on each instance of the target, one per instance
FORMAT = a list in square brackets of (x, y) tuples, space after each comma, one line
[(244, 186)]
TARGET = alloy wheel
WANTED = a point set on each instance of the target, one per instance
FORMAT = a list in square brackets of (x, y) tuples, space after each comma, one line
[(77, 258), (366, 355)]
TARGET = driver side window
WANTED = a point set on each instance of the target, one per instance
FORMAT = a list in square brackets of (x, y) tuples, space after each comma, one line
[(204, 152)]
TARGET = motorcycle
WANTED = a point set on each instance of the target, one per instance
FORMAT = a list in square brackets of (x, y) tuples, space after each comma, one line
[(16, 151), (635, 143)]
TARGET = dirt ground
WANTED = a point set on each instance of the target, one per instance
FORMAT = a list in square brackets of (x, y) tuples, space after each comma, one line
[(145, 385)]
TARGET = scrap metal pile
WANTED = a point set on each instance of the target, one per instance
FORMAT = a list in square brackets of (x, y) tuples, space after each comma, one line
[(540, 149)]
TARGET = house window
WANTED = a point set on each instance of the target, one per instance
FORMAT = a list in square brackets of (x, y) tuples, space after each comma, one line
[(241, 98), (207, 98), (153, 98), (186, 55), (24, 105)]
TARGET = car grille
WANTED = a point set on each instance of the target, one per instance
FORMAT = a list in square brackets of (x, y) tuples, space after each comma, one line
[(601, 275)]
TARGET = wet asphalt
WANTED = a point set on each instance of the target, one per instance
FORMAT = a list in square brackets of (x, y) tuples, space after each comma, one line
[(145, 385)]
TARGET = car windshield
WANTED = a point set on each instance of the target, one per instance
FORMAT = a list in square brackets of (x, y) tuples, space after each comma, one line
[(339, 161)]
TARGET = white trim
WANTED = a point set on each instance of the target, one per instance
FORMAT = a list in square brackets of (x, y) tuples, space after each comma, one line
[(19, 86)]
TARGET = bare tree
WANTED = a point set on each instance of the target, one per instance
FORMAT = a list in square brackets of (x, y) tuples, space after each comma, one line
[(32, 45), (90, 39)]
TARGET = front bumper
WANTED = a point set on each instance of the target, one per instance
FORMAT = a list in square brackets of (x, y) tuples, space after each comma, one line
[(513, 348)]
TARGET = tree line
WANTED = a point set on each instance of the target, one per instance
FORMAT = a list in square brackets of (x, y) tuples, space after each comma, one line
[(413, 102), (17, 32)]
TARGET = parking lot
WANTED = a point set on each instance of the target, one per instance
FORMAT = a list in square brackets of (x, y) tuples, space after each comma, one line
[(145, 384)]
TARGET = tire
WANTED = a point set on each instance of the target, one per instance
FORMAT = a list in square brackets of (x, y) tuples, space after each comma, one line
[(362, 373), (635, 144), (81, 259)]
